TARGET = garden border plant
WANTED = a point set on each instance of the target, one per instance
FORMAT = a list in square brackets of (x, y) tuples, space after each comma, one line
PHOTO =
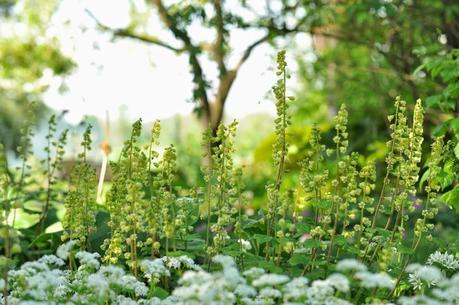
[(353, 216)]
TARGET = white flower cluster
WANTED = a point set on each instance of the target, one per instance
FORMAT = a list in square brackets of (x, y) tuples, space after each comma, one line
[(446, 292), (64, 250), (375, 280), (350, 265), (180, 262), (245, 245), (256, 287), (421, 276), (443, 260), (154, 270), (87, 259), (46, 281)]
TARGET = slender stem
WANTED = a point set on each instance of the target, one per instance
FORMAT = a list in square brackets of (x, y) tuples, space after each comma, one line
[(386, 178), (335, 205)]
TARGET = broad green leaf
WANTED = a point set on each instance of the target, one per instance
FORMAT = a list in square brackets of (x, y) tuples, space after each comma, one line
[(456, 150), (262, 239), (299, 259), (452, 198), (312, 243)]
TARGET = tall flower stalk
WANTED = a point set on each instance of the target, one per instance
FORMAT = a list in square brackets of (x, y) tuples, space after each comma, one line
[(153, 221), (80, 202), (220, 186), (55, 150), (166, 196), (280, 147), (126, 203)]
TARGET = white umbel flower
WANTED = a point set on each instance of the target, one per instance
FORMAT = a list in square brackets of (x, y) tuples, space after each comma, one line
[(245, 245), (420, 276), (339, 282), (444, 260), (88, 259), (350, 265), (154, 270), (64, 250), (270, 280), (375, 280)]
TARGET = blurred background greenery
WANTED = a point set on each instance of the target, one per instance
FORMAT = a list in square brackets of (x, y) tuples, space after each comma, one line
[(361, 53)]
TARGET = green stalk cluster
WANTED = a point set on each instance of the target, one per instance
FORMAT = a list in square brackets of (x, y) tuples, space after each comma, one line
[(80, 202), (314, 179), (343, 193), (150, 214), (399, 185), (432, 189), (12, 192), (397, 145), (409, 169), (25, 148), (153, 221), (55, 150), (348, 197), (221, 191), (142, 201), (126, 202), (365, 203), (166, 197), (280, 147), (5, 187), (5, 260)]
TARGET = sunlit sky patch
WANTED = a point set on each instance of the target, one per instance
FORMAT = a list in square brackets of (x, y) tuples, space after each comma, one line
[(151, 81)]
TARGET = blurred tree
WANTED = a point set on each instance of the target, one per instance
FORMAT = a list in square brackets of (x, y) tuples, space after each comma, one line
[(29, 59), (366, 53), (204, 28)]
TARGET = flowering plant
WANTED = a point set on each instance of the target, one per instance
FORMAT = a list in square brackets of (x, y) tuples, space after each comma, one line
[(178, 280)]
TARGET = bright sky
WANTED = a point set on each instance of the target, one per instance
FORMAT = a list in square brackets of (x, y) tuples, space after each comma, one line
[(151, 81)]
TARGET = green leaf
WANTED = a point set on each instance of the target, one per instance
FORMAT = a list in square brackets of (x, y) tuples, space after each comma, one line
[(302, 228), (434, 101), (42, 239), (424, 178), (440, 130), (232, 250), (181, 253), (405, 250), (312, 243), (456, 150), (270, 266), (451, 198), (322, 204), (298, 259), (159, 293), (340, 240), (262, 239)]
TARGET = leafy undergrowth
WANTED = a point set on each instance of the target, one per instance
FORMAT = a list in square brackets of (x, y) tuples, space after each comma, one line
[(78, 277), (346, 233)]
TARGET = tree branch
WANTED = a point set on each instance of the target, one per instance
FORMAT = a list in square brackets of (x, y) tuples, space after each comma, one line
[(198, 74), (128, 34), (219, 45)]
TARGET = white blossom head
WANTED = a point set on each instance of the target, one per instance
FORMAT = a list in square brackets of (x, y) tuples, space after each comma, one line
[(443, 260), (63, 251)]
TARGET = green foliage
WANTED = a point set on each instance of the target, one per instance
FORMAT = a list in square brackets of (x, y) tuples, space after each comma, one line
[(368, 52), (26, 64), (80, 202), (54, 150), (443, 66), (221, 190), (280, 149), (338, 208), (126, 203)]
